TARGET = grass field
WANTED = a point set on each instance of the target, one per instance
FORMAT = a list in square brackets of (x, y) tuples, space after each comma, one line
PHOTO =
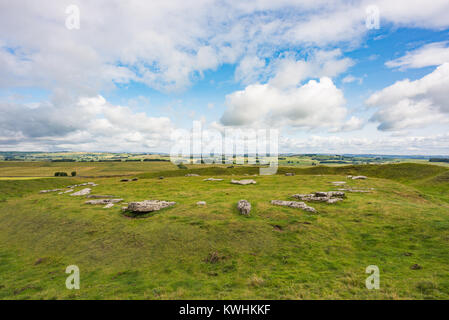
[(275, 253)]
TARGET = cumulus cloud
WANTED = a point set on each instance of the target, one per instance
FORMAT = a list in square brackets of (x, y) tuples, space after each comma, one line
[(351, 79), (289, 71), (432, 54), (168, 44), (89, 124), (413, 104), (316, 104)]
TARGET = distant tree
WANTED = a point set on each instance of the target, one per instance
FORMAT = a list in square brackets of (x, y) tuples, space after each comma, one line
[(61, 174), (73, 173)]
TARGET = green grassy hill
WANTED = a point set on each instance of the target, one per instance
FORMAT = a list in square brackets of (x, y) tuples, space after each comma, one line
[(212, 252)]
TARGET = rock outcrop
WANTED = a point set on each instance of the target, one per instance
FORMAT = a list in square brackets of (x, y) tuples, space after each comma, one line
[(244, 207), (243, 182), (149, 205), (293, 204)]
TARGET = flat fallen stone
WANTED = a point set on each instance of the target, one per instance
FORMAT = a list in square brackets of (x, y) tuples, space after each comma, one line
[(82, 192), (92, 184), (359, 178), (109, 205), (212, 179), (355, 190), (293, 204), (99, 196), (290, 174), (334, 200), (103, 201), (329, 197), (243, 182), (244, 207), (52, 190), (338, 183), (192, 175), (149, 205), (201, 203)]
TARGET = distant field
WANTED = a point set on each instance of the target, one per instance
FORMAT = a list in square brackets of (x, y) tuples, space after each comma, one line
[(275, 253), (47, 169)]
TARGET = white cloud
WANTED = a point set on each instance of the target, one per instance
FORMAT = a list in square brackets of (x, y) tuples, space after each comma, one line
[(290, 72), (351, 79), (432, 54), (249, 69), (167, 44), (413, 104), (89, 124), (316, 104)]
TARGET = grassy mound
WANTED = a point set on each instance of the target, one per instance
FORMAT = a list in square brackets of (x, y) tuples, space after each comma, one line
[(213, 252), (403, 172), (19, 188)]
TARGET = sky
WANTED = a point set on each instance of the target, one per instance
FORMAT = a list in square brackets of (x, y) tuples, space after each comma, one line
[(331, 76)]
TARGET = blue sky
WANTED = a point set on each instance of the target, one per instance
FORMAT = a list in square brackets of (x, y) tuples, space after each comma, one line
[(132, 74)]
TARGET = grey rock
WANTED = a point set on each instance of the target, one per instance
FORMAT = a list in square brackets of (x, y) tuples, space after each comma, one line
[(52, 190), (109, 205), (359, 178), (212, 179), (338, 183), (290, 174), (149, 205), (293, 204), (244, 207), (192, 175), (243, 182), (329, 197), (82, 192), (201, 203)]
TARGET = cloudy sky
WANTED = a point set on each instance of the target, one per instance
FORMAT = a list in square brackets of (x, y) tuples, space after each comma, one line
[(319, 71)]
